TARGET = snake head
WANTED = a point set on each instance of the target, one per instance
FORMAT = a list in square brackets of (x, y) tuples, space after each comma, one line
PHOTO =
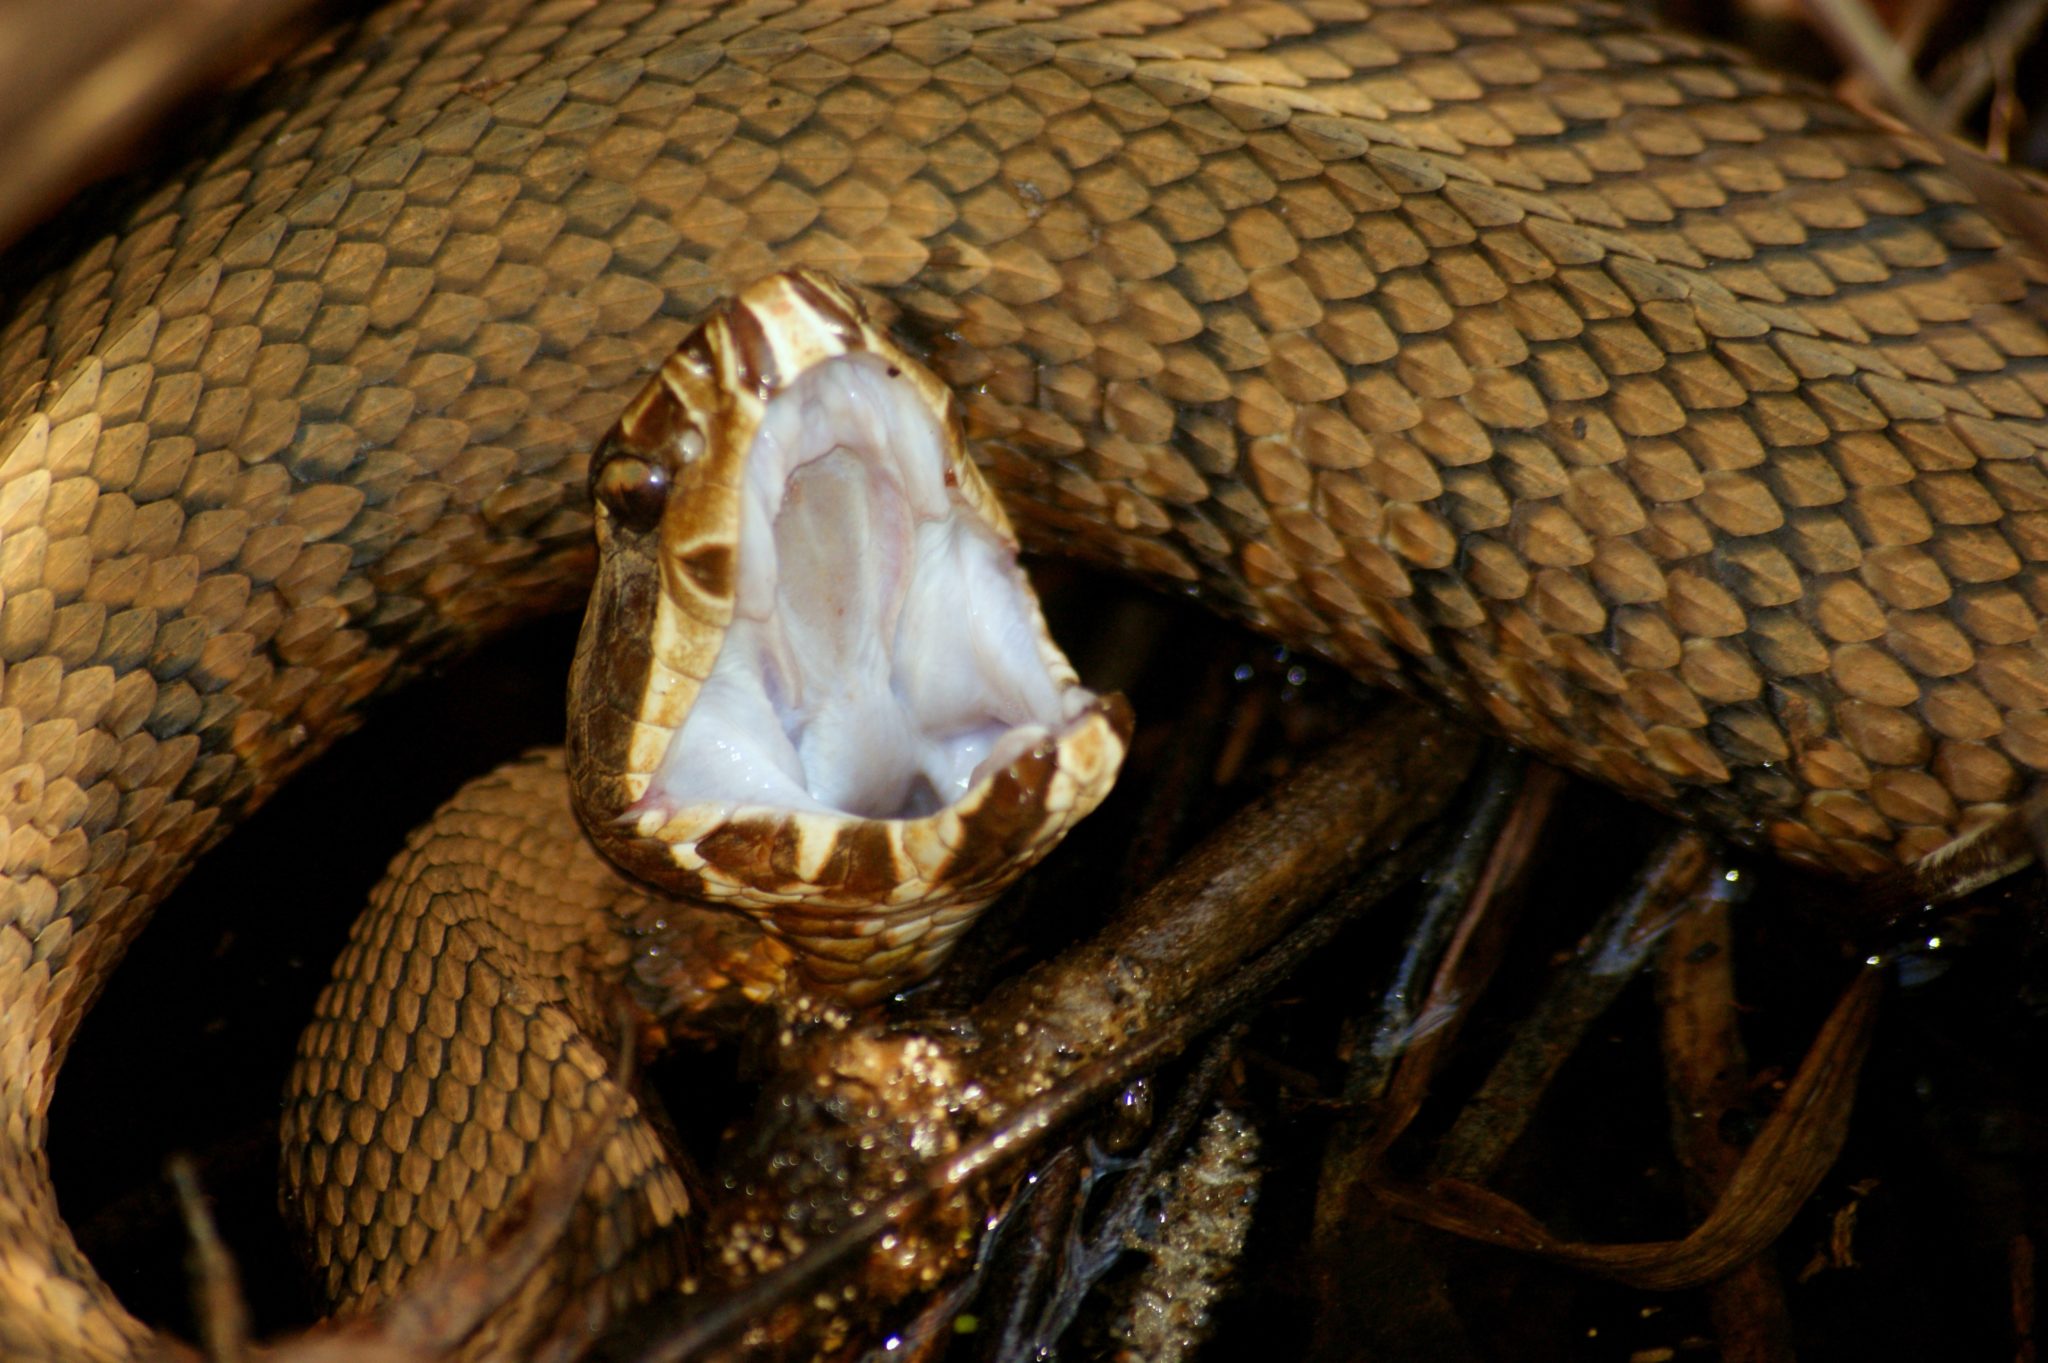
[(813, 683)]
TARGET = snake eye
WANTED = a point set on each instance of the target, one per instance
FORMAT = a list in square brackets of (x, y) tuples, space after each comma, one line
[(632, 489)]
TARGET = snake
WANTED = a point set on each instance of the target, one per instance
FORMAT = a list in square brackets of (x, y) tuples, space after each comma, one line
[(813, 688), (1654, 410)]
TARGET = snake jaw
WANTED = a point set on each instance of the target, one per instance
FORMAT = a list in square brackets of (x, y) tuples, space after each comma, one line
[(815, 684)]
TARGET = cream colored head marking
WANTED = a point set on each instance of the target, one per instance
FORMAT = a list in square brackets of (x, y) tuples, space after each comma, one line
[(813, 683)]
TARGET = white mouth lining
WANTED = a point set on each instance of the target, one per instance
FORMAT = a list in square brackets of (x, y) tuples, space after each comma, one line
[(884, 655)]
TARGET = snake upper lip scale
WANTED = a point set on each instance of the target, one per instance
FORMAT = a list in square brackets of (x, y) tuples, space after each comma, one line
[(1659, 411)]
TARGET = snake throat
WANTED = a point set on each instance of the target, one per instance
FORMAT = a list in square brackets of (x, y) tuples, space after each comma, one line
[(816, 679)]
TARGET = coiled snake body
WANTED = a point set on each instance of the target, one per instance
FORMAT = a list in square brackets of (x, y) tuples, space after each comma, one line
[(1668, 417)]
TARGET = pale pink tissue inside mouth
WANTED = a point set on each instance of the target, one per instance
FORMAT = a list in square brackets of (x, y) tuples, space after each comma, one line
[(884, 656)]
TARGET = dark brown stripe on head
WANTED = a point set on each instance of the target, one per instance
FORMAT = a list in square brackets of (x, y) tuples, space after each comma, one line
[(654, 429), (710, 568), (861, 863), (1006, 823), (844, 323), (787, 854), (743, 850), (752, 354)]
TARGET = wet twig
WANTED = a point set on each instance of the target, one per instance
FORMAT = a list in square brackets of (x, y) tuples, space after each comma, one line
[(1477, 947), (1400, 1019), (1963, 78), (1793, 1150), (1706, 1080), (1206, 1215), (222, 1313), (1683, 876), (1071, 1260)]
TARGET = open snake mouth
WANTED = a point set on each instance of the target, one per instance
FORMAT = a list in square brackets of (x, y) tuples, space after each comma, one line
[(884, 652), (814, 683)]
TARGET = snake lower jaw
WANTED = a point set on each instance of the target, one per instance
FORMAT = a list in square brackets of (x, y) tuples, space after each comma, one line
[(871, 906)]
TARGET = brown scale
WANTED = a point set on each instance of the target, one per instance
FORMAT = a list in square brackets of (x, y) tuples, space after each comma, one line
[(1657, 411)]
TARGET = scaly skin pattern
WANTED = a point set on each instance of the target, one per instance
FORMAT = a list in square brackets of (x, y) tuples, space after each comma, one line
[(1666, 416), (469, 1040)]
